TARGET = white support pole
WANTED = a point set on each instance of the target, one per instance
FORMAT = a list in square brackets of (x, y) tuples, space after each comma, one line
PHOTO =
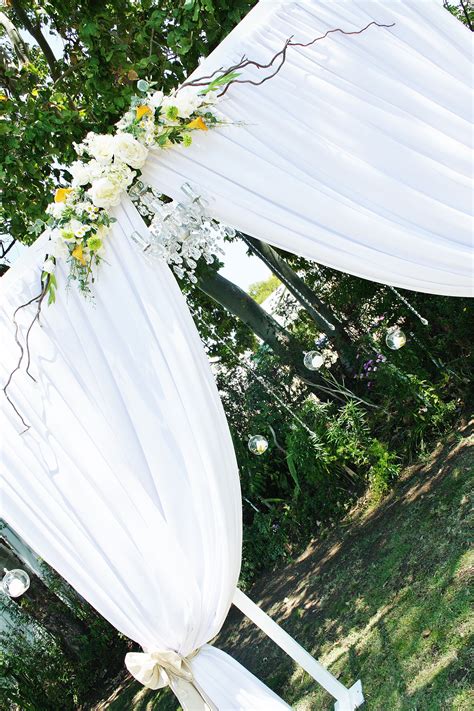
[(347, 699)]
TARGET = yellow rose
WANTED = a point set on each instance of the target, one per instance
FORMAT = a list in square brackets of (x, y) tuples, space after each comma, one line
[(142, 111), (61, 194), (198, 123)]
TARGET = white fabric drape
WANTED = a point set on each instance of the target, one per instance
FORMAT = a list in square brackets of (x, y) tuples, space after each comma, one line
[(357, 154), (126, 482)]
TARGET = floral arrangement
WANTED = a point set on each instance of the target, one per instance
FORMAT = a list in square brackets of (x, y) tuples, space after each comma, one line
[(79, 218)]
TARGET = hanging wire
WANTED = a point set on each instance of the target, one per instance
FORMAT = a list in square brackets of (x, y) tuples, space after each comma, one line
[(285, 281), (424, 321), (269, 389)]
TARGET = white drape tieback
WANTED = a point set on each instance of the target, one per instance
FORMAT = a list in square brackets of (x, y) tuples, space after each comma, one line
[(158, 669)]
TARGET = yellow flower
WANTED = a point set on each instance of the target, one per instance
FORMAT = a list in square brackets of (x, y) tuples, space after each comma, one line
[(77, 254), (3, 97), (61, 194), (142, 111), (198, 123)]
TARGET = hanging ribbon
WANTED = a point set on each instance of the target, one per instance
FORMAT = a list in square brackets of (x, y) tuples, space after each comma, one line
[(155, 670)]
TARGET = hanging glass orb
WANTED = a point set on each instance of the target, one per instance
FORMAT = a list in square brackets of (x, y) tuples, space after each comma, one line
[(15, 582), (313, 360), (395, 338), (258, 444)]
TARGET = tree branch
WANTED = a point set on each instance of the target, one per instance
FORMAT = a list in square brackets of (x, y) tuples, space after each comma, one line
[(281, 56), (35, 31), (4, 249), (466, 15), (19, 47)]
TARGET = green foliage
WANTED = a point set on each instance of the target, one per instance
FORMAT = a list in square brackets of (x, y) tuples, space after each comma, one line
[(337, 463), (261, 290), (463, 11), (34, 673), (414, 411), (265, 543), (302, 485), (102, 641)]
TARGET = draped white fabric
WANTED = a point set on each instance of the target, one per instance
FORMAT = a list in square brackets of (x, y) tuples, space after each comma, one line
[(357, 154), (126, 481)]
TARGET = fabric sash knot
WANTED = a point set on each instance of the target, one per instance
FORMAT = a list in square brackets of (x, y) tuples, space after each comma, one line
[(157, 669)]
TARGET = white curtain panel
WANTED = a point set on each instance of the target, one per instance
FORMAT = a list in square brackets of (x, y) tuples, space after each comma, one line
[(357, 154), (126, 482)]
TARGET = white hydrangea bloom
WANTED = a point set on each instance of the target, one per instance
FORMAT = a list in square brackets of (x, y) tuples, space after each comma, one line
[(58, 245), (121, 174)]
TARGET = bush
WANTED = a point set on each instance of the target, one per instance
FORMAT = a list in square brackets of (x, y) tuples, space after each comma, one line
[(337, 464), (34, 673)]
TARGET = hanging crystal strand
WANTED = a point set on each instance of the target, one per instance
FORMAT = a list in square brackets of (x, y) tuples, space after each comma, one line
[(408, 305), (181, 232), (285, 281), (438, 363), (269, 389)]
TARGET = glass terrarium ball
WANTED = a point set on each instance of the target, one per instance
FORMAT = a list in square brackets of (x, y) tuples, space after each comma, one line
[(15, 582), (395, 339), (313, 360), (258, 444)]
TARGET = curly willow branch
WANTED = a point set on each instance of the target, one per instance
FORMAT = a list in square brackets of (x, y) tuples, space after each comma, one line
[(281, 55), (39, 299)]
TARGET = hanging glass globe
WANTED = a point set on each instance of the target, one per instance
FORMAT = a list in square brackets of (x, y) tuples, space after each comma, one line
[(258, 444), (15, 582), (313, 360), (395, 338)]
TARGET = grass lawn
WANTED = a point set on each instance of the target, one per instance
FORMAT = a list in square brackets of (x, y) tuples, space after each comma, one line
[(384, 597)]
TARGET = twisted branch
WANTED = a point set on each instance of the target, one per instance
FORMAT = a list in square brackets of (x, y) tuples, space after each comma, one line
[(281, 55), (25, 348)]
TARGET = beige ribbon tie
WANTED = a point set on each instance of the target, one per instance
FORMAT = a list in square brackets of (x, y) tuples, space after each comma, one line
[(158, 669)]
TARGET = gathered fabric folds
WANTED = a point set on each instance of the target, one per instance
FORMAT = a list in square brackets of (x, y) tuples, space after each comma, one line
[(357, 154), (126, 481)]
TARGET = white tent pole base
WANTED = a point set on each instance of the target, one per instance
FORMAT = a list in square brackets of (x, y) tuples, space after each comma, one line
[(347, 699)]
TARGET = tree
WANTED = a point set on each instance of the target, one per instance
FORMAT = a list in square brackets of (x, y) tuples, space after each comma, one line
[(261, 290)]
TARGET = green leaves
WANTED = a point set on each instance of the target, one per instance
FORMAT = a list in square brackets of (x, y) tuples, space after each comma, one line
[(37, 227), (221, 82), (50, 285)]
